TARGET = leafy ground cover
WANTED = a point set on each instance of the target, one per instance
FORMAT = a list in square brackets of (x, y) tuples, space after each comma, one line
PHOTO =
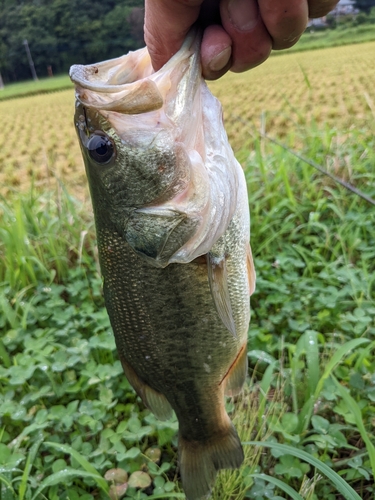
[(70, 425)]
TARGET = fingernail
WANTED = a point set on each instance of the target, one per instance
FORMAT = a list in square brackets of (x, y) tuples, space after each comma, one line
[(243, 14), (218, 62)]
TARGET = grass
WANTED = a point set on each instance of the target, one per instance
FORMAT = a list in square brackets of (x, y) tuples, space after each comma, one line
[(72, 428)]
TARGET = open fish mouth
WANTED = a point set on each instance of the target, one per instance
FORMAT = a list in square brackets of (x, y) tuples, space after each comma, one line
[(128, 84)]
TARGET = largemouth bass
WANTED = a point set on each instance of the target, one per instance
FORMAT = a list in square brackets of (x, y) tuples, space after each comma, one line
[(172, 222)]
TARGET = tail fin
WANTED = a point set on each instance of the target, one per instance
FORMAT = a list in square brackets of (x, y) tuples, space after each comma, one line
[(200, 461)]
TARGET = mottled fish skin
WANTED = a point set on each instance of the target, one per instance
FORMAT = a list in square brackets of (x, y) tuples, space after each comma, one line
[(178, 303)]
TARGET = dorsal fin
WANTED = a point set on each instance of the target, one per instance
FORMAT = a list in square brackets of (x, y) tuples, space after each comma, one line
[(218, 280), (251, 274)]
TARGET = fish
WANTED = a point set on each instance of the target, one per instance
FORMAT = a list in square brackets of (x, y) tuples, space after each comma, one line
[(173, 228)]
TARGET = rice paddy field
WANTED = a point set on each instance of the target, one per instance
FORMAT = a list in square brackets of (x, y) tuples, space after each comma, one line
[(70, 425), (331, 88)]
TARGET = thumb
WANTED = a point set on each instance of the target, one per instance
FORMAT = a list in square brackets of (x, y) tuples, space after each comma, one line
[(167, 23)]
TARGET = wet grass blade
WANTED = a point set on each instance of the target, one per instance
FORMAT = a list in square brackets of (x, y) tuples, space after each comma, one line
[(280, 484), (29, 463), (6, 490), (335, 360), (90, 469), (357, 414), (340, 484), (312, 359), (4, 356), (62, 475)]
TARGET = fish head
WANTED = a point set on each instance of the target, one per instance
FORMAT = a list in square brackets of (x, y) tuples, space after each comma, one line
[(127, 120), (160, 169), (135, 140)]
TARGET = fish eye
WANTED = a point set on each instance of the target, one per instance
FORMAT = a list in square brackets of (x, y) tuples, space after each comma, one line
[(101, 148)]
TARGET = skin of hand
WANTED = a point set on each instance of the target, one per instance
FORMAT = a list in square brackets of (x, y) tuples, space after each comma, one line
[(238, 34)]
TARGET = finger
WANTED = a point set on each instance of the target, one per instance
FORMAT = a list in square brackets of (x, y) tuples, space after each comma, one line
[(251, 42), (167, 23), (285, 20), (216, 51), (319, 8)]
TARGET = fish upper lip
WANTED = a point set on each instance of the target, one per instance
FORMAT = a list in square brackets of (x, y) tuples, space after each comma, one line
[(85, 76), (127, 84)]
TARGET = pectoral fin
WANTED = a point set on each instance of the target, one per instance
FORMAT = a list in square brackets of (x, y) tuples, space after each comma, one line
[(156, 234), (218, 280), (147, 232), (154, 400)]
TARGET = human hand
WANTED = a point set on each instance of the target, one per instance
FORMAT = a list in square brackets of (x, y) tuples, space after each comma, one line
[(238, 34)]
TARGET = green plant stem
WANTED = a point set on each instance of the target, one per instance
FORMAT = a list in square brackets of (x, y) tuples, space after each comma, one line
[(341, 485)]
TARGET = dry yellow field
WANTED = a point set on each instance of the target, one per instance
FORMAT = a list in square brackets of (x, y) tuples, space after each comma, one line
[(330, 87), (39, 144)]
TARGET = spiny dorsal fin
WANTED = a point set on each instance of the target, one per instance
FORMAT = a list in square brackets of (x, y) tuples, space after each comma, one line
[(218, 280), (251, 275)]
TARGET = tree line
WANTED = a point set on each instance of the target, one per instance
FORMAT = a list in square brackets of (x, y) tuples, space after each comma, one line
[(60, 33), (364, 5)]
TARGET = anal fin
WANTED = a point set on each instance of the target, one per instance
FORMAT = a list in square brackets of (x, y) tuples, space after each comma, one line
[(236, 376), (154, 400)]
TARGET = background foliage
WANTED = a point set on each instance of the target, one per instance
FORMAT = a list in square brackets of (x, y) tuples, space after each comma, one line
[(365, 5), (65, 32)]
